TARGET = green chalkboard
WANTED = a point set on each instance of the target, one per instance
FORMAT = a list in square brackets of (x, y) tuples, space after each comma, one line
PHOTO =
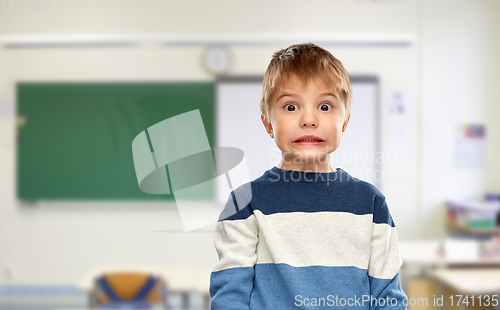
[(76, 140)]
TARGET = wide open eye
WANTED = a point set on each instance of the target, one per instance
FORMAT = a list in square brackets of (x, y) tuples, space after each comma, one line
[(290, 105), (327, 105)]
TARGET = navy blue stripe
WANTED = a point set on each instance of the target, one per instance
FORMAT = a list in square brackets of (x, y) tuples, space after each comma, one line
[(272, 195), (235, 202), (381, 215), (244, 213)]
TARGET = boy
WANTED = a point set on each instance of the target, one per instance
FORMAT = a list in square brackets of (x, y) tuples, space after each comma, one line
[(309, 236)]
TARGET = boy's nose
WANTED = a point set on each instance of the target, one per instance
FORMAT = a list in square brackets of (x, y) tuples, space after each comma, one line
[(308, 119), (306, 124)]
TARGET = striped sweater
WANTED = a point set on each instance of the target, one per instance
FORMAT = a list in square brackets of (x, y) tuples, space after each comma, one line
[(306, 240)]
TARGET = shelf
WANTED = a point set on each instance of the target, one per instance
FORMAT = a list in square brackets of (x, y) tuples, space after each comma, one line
[(472, 230)]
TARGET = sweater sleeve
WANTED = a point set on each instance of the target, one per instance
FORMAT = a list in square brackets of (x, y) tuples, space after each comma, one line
[(235, 239), (385, 261)]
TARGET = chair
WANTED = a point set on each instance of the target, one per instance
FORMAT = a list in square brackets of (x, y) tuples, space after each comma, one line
[(129, 290)]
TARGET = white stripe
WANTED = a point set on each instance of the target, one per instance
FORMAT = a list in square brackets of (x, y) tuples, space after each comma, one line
[(302, 239), (385, 259), (321, 238), (235, 243)]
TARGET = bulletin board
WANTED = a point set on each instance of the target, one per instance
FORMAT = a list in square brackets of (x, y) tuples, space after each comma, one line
[(74, 140)]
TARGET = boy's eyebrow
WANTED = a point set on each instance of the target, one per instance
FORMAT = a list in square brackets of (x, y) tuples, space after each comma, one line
[(294, 94)]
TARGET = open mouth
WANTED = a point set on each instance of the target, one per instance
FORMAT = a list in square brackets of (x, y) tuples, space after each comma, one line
[(309, 140)]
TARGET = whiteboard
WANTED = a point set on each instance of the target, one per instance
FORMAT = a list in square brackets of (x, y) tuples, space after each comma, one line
[(239, 125)]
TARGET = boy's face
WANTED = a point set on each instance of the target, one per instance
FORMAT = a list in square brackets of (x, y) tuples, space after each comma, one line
[(297, 110)]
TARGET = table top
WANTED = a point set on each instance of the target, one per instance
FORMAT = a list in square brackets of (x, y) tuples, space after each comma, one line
[(178, 278), (428, 253), (478, 281)]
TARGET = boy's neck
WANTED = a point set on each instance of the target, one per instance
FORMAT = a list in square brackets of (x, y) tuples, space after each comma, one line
[(315, 167)]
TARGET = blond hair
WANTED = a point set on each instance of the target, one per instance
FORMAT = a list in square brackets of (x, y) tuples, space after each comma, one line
[(305, 61)]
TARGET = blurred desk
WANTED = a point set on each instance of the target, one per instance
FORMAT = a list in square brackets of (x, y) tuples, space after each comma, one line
[(181, 279), (471, 281), (423, 254), (480, 276), (429, 254)]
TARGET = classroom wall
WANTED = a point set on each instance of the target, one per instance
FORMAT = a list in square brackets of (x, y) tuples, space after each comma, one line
[(460, 75), (56, 242)]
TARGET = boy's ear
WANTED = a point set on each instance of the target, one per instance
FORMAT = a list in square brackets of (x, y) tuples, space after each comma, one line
[(346, 122), (267, 125)]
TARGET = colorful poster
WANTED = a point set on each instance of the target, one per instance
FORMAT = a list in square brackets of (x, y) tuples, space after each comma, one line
[(470, 147)]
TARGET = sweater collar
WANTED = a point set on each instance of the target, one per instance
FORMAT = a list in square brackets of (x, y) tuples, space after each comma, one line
[(278, 174)]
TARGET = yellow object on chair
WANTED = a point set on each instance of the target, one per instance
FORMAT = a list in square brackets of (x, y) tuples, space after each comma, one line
[(129, 290)]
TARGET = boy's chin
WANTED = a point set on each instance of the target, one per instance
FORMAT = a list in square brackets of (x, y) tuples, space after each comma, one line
[(308, 158)]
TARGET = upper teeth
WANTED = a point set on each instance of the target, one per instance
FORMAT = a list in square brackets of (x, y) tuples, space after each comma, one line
[(308, 140)]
